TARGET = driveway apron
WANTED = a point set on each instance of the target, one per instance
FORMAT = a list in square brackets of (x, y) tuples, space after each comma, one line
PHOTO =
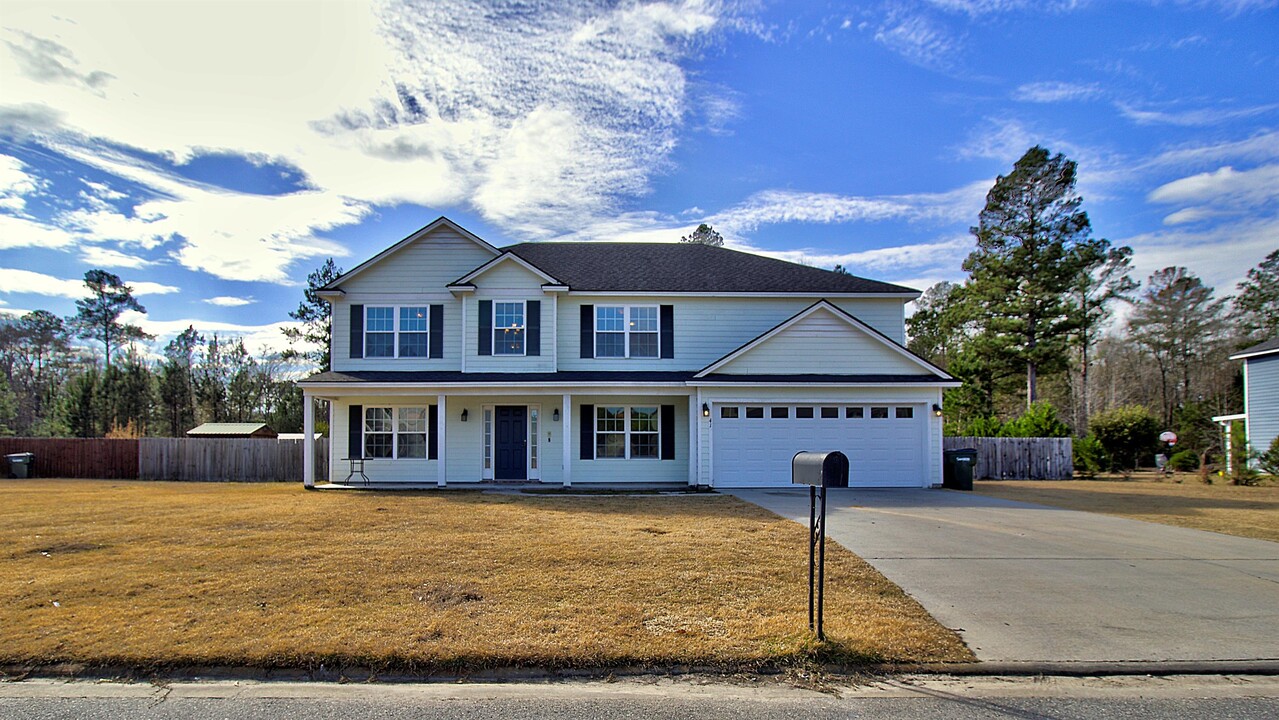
[(1028, 583)]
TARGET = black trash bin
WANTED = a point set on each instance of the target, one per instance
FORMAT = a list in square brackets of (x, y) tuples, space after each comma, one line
[(957, 469), (20, 464)]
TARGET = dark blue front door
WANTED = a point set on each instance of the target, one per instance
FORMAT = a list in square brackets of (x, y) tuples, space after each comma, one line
[(511, 447)]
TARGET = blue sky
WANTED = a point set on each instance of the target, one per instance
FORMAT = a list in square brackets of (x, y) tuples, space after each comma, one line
[(214, 154)]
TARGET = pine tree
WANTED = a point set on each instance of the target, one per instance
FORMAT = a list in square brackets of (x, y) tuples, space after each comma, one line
[(98, 316), (316, 316), (1257, 306), (704, 235), (1033, 244)]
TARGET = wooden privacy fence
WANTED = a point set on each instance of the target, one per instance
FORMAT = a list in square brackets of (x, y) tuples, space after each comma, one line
[(77, 457), (227, 459), (1000, 458), (190, 459)]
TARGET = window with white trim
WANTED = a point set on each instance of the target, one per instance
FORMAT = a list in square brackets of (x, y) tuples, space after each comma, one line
[(627, 432), (508, 328), (395, 433), (626, 331), (394, 331)]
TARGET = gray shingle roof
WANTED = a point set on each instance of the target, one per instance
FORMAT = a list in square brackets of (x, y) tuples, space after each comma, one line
[(1271, 345), (684, 267), (429, 377)]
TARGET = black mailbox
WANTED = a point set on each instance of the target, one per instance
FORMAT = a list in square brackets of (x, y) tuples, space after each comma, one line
[(819, 469)]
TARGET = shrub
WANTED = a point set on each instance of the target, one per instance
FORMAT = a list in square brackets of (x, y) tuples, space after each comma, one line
[(1184, 461), (1039, 420), (1129, 434), (1089, 456), (977, 427), (1269, 460)]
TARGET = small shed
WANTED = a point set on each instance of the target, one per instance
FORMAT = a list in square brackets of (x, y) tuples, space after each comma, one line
[(233, 430)]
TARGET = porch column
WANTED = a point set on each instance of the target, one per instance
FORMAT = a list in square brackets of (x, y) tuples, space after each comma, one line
[(441, 421), (694, 435), (567, 440), (308, 441)]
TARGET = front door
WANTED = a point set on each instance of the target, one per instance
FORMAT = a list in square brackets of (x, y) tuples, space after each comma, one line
[(511, 446)]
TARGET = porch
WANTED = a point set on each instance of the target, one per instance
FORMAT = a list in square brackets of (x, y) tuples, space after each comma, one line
[(418, 439)]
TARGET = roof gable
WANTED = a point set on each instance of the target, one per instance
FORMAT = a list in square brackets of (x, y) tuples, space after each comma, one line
[(507, 259), (420, 234), (814, 340)]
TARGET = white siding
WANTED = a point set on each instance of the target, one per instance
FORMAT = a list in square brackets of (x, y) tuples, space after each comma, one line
[(922, 397), (417, 274), (821, 343), (616, 470), (1262, 403), (407, 471), (707, 329), (509, 282)]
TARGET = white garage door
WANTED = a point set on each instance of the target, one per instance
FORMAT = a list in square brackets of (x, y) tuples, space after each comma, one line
[(754, 443)]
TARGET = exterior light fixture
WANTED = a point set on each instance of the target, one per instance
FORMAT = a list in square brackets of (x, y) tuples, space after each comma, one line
[(706, 410), (555, 415), (937, 409), (464, 414)]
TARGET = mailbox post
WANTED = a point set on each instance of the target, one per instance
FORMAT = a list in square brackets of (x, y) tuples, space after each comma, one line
[(818, 470)]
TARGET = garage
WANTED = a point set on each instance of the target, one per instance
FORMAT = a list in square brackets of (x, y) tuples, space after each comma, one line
[(886, 444)]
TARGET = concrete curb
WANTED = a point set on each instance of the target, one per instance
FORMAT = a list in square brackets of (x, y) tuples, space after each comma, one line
[(1266, 667)]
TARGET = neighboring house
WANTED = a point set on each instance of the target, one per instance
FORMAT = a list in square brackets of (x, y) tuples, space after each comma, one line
[(1260, 395), (232, 430), (457, 362)]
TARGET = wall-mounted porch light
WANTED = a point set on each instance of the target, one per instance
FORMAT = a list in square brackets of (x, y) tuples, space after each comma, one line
[(464, 414), (555, 414), (706, 410), (937, 409)]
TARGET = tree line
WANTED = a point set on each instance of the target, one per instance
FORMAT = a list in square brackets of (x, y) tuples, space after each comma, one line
[(1052, 335), (52, 386)]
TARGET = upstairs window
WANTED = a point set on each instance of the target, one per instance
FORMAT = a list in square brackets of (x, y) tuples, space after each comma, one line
[(393, 331), (623, 331), (508, 328), (413, 331), (379, 332)]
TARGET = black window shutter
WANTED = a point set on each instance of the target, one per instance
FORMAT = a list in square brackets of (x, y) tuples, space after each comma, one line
[(666, 315), (588, 331), (586, 434), (533, 327), (433, 433), (355, 432), (486, 327), (437, 332), (357, 331), (668, 431)]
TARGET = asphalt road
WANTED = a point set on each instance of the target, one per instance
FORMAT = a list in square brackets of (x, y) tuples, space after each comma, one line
[(1140, 698), (1030, 583)]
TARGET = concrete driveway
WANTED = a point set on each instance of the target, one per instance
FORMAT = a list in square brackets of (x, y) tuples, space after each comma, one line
[(1029, 583)]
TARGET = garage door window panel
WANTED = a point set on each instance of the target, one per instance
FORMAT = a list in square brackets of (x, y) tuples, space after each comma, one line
[(754, 412), (855, 413), (879, 413), (905, 413), (830, 412), (728, 413), (779, 412), (804, 412)]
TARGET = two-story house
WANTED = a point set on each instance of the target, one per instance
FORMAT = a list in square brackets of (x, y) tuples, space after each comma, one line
[(455, 362)]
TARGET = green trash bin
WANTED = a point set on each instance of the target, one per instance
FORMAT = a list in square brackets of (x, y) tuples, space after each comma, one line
[(20, 464), (958, 467)]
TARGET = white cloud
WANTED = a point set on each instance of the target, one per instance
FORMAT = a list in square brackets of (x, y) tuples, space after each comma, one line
[(1055, 92), (14, 280), (229, 301), (20, 232), (1260, 147), (1221, 192), (1201, 250), (779, 206), (539, 116), (259, 339), (919, 40), (106, 258), (15, 183), (941, 254), (1191, 118)]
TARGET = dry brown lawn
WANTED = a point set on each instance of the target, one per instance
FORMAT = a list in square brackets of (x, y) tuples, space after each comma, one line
[(1180, 500), (155, 575)]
